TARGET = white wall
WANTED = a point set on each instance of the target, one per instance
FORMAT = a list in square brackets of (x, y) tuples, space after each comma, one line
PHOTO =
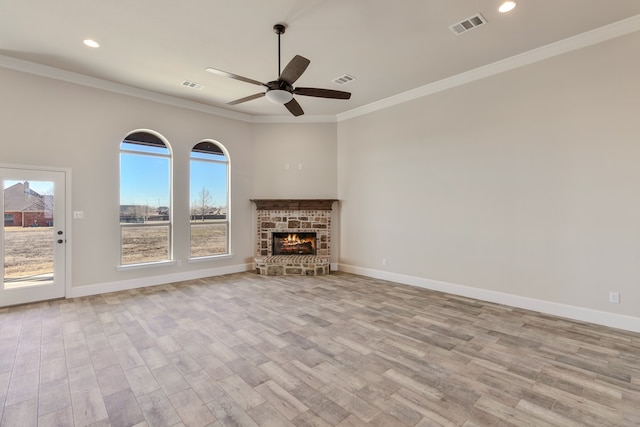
[(524, 184), (312, 145), (55, 124), (50, 123)]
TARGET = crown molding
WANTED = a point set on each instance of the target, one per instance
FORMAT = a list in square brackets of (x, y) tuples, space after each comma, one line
[(598, 35), (97, 83), (291, 119), (589, 38), (94, 82)]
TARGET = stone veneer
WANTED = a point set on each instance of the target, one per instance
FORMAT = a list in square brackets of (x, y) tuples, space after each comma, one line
[(293, 216)]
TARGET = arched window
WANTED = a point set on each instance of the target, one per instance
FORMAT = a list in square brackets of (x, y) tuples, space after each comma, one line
[(145, 199), (209, 199)]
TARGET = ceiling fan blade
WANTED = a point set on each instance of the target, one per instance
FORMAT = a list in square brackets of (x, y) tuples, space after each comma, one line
[(294, 108), (322, 93), (294, 69), (246, 98), (234, 76)]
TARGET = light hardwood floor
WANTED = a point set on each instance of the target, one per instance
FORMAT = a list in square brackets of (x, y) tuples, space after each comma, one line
[(336, 350)]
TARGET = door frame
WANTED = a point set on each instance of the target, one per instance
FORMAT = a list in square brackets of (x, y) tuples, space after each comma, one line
[(68, 215)]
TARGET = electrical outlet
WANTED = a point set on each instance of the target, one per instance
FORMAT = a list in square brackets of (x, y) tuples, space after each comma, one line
[(614, 297), (384, 261)]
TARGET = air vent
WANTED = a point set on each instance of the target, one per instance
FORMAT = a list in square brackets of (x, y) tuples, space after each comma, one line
[(468, 24), (343, 80), (192, 85)]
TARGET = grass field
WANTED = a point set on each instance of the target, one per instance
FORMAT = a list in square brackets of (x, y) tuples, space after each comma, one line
[(208, 239), (28, 251), (147, 244)]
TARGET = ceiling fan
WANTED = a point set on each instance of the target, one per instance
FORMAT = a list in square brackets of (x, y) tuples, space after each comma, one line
[(281, 91)]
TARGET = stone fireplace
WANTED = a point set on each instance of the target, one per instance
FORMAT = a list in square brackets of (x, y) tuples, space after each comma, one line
[(294, 236)]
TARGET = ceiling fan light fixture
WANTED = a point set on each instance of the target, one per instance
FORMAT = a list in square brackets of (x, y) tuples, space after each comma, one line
[(279, 96), (507, 6)]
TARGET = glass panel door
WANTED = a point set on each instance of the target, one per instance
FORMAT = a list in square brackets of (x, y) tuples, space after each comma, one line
[(33, 235)]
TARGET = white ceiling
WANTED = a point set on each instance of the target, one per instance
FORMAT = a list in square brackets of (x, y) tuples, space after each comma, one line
[(389, 46)]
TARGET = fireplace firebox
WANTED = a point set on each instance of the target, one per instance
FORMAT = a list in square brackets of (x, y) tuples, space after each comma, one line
[(294, 243)]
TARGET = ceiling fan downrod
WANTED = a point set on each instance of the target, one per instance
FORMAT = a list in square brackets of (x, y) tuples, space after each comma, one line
[(279, 30)]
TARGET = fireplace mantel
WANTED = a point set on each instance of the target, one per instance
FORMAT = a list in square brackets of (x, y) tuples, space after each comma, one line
[(294, 204)]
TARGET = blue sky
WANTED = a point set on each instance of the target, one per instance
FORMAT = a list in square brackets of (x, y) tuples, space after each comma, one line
[(145, 180), (213, 177)]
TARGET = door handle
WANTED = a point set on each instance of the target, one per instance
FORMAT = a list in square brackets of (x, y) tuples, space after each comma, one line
[(60, 241)]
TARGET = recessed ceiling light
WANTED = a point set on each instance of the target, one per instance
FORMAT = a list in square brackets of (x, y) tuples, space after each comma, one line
[(91, 43), (507, 6)]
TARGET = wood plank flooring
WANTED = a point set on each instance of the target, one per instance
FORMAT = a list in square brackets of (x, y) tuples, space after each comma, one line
[(336, 350)]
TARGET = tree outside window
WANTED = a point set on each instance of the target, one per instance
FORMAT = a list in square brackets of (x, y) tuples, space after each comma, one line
[(145, 199), (209, 200)]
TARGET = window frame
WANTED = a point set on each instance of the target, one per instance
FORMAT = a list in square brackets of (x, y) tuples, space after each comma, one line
[(169, 224), (227, 221)]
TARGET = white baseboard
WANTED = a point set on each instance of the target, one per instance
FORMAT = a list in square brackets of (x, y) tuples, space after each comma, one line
[(619, 321), (102, 288), (604, 318)]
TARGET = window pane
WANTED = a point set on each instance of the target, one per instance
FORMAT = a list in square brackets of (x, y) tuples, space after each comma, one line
[(144, 142), (208, 239), (145, 197), (144, 182), (142, 244), (208, 188), (151, 149), (28, 233), (209, 200), (207, 148)]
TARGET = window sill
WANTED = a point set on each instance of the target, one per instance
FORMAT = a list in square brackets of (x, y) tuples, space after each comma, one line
[(145, 265), (210, 258)]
